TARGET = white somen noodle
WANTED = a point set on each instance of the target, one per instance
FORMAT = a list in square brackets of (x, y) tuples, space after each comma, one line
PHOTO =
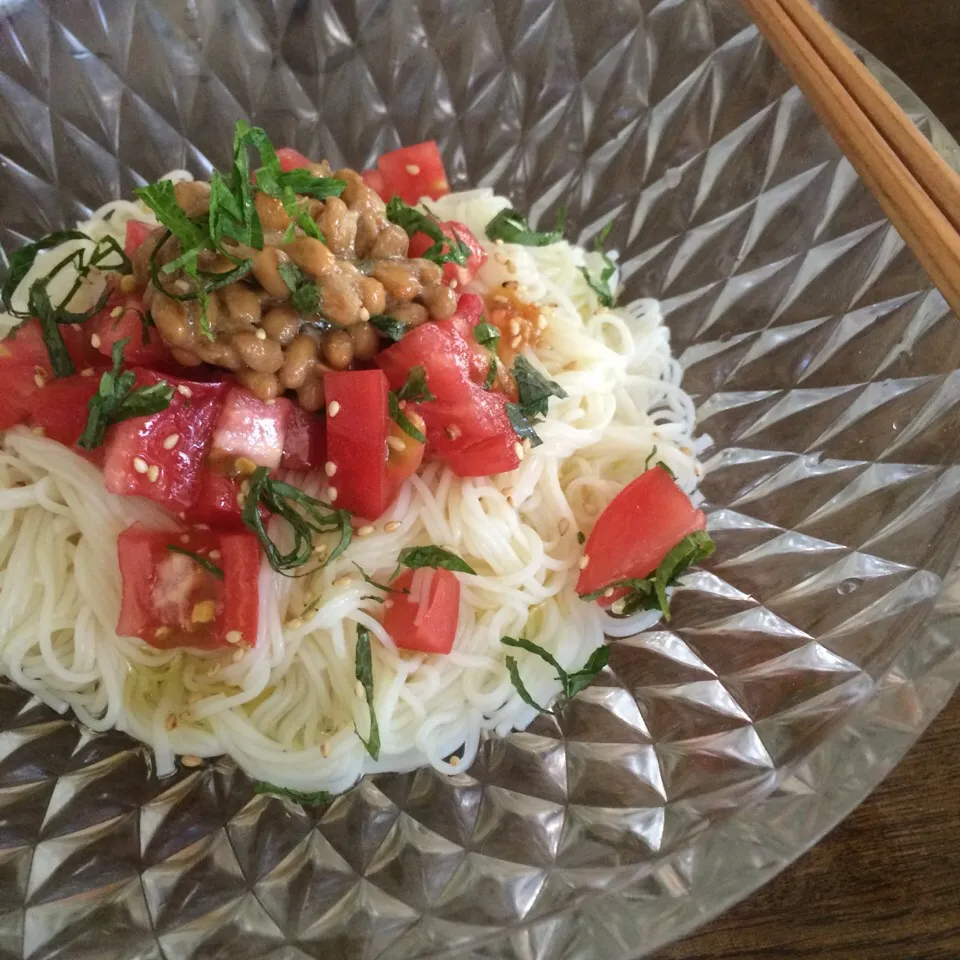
[(288, 710)]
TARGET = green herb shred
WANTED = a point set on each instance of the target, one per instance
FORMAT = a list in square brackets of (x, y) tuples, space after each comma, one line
[(444, 249), (318, 798), (415, 389), (204, 562), (364, 672), (430, 556), (487, 335), (390, 328), (511, 226), (600, 285), (571, 683), (402, 420)]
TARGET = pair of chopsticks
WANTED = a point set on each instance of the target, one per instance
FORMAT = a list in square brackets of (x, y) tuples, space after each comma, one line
[(915, 187)]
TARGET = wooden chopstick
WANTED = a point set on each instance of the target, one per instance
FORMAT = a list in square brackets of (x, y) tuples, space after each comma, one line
[(917, 190)]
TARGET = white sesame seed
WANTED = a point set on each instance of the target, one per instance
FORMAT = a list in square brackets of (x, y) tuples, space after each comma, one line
[(295, 624), (153, 473), (453, 432), (508, 493), (343, 581), (171, 722), (270, 401), (541, 323), (331, 494), (584, 560), (116, 313), (412, 169), (234, 636), (397, 443), (140, 465), (39, 431), (330, 468), (514, 327), (320, 550), (392, 526), (608, 593), (39, 380), (128, 283), (184, 537), (511, 267), (563, 526), (261, 334), (184, 390), (189, 760), (181, 286), (499, 241), (518, 450), (95, 341), (618, 607), (325, 749), (171, 441), (454, 284), (333, 409), (162, 632), (87, 372), (365, 530)]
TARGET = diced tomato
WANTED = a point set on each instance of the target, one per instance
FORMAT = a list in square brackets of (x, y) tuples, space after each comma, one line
[(305, 443), (374, 180), (148, 440), (477, 257), (357, 416), (251, 428), (427, 624), (467, 426), (217, 503), (61, 409), (171, 600), (127, 324), (291, 159), (642, 523), (25, 366), (137, 232), (414, 172)]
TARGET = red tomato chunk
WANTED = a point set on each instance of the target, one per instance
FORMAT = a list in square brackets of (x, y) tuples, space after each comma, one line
[(305, 441), (426, 619), (122, 318), (291, 159), (61, 409), (172, 600), (217, 503), (161, 456), (639, 527), (477, 257), (414, 172)]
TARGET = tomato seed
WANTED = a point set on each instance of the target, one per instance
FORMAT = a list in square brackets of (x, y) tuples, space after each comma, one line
[(140, 465)]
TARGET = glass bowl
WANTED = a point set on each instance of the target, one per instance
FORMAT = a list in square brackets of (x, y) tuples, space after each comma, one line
[(803, 660)]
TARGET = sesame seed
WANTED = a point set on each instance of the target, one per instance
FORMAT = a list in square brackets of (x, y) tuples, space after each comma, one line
[(387, 604), (237, 656), (499, 241), (295, 624), (392, 526), (181, 286), (514, 327), (184, 390), (453, 432), (116, 313), (511, 267), (140, 465), (184, 537), (364, 314), (320, 550), (203, 612), (170, 441), (454, 761), (171, 722), (190, 760), (500, 258), (39, 431), (245, 487), (330, 468), (270, 401), (412, 169), (153, 473), (39, 380), (95, 341), (331, 494), (87, 372), (584, 560), (261, 334), (518, 450), (162, 632), (454, 284), (215, 554), (541, 322), (325, 749), (563, 526), (128, 283), (516, 343), (396, 443), (234, 636), (333, 409), (618, 607), (343, 581), (608, 593), (365, 530), (359, 690)]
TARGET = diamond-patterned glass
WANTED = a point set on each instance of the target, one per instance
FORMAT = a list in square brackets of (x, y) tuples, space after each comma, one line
[(801, 662)]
